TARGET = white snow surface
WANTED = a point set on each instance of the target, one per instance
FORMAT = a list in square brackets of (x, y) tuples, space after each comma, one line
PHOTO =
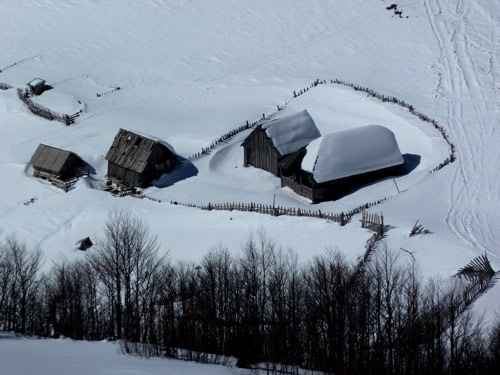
[(156, 139), (291, 133), (22, 356), (191, 70), (351, 152)]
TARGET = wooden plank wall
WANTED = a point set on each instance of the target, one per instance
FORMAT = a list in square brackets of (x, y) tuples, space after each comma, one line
[(260, 153)]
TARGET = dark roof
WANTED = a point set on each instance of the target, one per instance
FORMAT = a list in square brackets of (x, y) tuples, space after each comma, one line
[(50, 158), (132, 151)]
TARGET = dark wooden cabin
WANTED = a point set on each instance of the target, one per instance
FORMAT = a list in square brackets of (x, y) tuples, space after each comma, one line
[(37, 86), (272, 141), (335, 164), (54, 163), (135, 160)]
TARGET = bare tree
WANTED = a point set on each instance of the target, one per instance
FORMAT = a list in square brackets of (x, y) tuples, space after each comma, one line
[(126, 258)]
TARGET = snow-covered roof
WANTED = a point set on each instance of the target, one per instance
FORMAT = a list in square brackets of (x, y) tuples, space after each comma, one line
[(351, 152), (154, 138), (36, 82), (293, 132)]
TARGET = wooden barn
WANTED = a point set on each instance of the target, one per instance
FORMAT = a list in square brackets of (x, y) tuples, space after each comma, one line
[(56, 165), (273, 141), (36, 86), (136, 160), (337, 163)]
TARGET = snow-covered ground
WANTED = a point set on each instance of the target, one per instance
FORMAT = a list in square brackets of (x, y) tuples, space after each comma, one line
[(191, 70), (21, 356)]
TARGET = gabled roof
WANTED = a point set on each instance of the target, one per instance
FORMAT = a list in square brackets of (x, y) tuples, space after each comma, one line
[(351, 152), (50, 158), (132, 151), (291, 133)]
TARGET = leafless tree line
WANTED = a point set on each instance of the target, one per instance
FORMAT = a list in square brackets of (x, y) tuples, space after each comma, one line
[(263, 306)]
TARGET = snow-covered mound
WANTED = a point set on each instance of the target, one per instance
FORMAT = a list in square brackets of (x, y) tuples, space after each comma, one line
[(293, 132), (351, 152), (59, 102)]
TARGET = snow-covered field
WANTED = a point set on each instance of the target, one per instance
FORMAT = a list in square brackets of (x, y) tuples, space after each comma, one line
[(21, 356), (191, 70)]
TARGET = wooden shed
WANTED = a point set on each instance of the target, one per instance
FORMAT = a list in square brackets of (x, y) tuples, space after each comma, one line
[(36, 86), (135, 160), (274, 140), (337, 163), (48, 161)]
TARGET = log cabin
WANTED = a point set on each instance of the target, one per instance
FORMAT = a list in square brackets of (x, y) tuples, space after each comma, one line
[(337, 163), (272, 141), (136, 160)]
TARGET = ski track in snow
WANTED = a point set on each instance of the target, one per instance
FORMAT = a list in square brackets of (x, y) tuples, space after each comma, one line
[(467, 34)]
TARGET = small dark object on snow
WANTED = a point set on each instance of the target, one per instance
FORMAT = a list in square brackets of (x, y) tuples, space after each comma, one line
[(418, 229), (36, 86), (85, 244)]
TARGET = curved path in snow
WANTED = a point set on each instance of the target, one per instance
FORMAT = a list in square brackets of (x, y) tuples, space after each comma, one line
[(468, 34)]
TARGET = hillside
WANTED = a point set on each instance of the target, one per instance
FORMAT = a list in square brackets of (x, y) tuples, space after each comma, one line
[(190, 71)]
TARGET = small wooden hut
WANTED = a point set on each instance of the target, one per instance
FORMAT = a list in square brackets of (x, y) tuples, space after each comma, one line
[(136, 160), (53, 163), (337, 163), (36, 87), (274, 140)]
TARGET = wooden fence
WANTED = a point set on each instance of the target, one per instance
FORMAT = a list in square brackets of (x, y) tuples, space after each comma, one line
[(373, 222), (18, 62), (44, 112), (223, 138), (108, 92), (341, 218), (66, 185), (298, 188)]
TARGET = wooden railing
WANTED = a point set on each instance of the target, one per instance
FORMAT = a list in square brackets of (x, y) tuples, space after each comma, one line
[(44, 112)]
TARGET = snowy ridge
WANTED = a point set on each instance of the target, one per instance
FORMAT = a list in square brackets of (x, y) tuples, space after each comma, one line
[(293, 132), (351, 152)]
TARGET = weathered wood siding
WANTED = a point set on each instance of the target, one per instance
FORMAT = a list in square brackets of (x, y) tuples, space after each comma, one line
[(335, 189), (128, 176), (160, 161), (260, 152), (297, 187), (68, 169)]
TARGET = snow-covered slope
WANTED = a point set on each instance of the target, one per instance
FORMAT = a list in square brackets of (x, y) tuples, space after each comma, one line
[(21, 356), (190, 70)]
